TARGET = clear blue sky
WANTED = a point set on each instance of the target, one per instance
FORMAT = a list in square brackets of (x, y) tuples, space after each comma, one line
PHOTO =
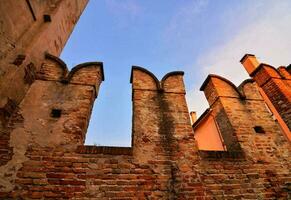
[(198, 37)]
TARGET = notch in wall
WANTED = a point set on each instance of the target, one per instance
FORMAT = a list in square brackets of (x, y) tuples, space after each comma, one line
[(56, 113), (259, 129), (30, 72), (47, 18), (19, 59), (7, 107)]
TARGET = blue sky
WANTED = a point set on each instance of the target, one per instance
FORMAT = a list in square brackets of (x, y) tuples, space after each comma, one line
[(198, 37)]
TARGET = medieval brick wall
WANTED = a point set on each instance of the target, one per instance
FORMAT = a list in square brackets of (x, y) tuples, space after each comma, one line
[(49, 160), (28, 29), (276, 84), (45, 111), (259, 168)]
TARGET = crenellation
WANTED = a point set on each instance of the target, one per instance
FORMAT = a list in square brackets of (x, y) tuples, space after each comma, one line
[(284, 72), (90, 73), (249, 89), (173, 82), (263, 73), (53, 68), (239, 148), (216, 86), (231, 112), (164, 160), (275, 89), (143, 79)]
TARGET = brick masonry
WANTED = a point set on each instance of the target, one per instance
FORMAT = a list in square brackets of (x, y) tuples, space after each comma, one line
[(276, 84), (25, 36), (49, 160), (43, 156)]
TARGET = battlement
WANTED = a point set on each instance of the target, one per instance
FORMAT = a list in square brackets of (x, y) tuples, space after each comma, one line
[(239, 148), (167, 154), (229, 104), (275, 87), (142, 79), (54, 69), (223, 97), (61, 101), (216, 86)]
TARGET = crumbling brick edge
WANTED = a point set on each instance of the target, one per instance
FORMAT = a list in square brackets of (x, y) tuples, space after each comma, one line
[(222, 154), (91, 149)]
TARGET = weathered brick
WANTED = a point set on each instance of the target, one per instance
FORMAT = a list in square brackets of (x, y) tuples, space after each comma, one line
[(50, 159)]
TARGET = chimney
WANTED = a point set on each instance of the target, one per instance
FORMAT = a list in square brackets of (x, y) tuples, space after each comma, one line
[(250, 62), (193, 116)]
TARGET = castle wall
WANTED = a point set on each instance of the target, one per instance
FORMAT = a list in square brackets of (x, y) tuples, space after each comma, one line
[(275, 83), (49, 160), (258, 166), (277, 88), (53, 162), (45, 111), (53, 115)]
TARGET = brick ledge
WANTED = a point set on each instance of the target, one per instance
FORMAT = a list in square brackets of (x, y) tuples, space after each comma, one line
[(221, 154), (90, 149)]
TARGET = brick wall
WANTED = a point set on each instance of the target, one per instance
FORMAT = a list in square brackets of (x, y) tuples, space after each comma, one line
[(277, 86), (53, 116), (259, 167), (49, 160), (45, 110), (25, 37)]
